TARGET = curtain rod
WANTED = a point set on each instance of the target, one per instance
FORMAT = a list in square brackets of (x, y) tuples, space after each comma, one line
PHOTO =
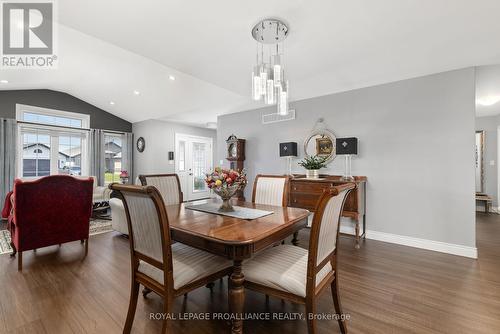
[(67, 127)]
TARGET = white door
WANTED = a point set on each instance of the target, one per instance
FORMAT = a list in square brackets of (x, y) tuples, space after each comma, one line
[(193, 159)]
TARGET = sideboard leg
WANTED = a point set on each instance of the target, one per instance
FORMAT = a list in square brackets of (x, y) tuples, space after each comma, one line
[(357, 235)]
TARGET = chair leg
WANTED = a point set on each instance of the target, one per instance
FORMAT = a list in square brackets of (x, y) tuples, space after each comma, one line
[(338, 305), (134, 294), (167, 308), (20, 261), (311, 315), (14, 250), (86, 246)]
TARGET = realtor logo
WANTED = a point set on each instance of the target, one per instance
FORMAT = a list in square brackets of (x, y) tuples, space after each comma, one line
[(27, 34)]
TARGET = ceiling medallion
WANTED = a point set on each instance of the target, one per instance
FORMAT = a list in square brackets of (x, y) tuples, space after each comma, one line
[(268, 76)]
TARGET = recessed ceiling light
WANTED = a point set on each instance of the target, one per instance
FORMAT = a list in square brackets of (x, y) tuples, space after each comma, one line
[(112, 103), (488, 100), (136, 92), (171, 77), (4, 81)]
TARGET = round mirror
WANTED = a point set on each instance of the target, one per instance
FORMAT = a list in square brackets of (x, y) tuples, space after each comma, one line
[(320, 143)]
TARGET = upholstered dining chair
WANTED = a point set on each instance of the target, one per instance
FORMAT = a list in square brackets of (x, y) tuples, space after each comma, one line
[(301, 275), (168, 185), (270, 190), (168, 269)]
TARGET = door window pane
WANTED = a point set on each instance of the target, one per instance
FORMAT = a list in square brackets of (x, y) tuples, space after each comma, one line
[(112, 158), (199, 166), (70, 155), (36, 154), (182, 156)]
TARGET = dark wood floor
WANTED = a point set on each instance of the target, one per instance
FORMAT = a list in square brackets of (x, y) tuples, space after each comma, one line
[(384, 287)]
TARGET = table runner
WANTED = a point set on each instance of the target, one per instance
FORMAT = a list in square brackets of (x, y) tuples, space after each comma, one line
[(239, 211)]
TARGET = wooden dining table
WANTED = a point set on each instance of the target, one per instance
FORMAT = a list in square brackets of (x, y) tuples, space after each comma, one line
[(234, 238)]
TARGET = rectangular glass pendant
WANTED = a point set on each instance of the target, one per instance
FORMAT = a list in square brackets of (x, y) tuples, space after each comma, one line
[(270, 92), (277, 70), (256, 94), (263, 80)]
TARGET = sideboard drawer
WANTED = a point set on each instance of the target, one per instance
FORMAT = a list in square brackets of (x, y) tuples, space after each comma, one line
[(305, 201), (309, 187)]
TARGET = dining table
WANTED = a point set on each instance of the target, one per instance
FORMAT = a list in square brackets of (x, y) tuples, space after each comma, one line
[(234, 238)]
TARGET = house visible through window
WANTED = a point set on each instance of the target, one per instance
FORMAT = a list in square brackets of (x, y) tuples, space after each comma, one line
[(52, 142), (112, 157)]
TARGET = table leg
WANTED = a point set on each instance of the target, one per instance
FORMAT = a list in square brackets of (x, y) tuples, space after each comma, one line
[(357, 234), (295, 240), (237, 297)]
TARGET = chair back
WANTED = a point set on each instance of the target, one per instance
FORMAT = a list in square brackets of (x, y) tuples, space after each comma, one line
[(325, 229), (168, 185), (270, 190), (51, 210), (148, 227)]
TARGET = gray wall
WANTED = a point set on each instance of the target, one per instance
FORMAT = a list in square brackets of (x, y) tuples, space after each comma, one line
[(160, 139), (416, 148), (490, 124), (99, 119)]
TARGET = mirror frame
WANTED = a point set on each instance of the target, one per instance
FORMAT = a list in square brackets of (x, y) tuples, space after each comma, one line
[(323, 132)]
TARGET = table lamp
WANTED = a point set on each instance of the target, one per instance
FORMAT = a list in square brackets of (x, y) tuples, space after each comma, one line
[(347, 147), (288, 150)]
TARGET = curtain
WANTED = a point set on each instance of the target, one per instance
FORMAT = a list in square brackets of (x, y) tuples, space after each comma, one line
[(97, 151), (8, 138), (127, 155)]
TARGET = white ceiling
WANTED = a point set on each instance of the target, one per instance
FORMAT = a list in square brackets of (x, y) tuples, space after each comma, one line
[(110, 48)]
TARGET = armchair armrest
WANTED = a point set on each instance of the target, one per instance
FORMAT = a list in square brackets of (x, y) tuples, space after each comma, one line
[(8, 205)]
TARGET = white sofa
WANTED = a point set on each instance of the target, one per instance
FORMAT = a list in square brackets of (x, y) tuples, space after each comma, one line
[(167, 184), (99, 194)]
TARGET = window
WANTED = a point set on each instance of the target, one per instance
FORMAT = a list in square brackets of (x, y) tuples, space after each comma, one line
[(51, 142), (112, 157)]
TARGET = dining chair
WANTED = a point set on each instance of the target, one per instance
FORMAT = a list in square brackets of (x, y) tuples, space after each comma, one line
[(301, 275), (168, 185), (170, 270), (270, 190)]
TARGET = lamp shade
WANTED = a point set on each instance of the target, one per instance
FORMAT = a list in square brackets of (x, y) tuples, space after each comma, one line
[(288, 149), (347, 146)]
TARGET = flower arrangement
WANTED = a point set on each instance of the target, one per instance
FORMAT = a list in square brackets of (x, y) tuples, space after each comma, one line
[(313, 162), (225, 183), (124, 176)]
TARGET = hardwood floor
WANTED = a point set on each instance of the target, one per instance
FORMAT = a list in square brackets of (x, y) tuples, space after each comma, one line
[(384, 287)]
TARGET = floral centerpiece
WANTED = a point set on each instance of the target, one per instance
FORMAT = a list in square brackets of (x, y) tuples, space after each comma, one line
[(225, 183), (313, 164), (124, 176)]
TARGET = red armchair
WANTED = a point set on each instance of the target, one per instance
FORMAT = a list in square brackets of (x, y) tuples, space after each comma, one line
[(50, 211)]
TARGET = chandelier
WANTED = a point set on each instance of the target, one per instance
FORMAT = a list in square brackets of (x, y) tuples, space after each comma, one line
[(268, 77)]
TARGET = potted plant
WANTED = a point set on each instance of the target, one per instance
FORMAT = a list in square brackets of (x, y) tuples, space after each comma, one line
[(312, 165), (225, 183)]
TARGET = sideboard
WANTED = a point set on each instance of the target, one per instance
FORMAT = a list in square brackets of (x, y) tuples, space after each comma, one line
[(305, 193)]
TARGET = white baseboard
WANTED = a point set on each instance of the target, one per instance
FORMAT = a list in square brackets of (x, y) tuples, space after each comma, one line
[(432, 245)]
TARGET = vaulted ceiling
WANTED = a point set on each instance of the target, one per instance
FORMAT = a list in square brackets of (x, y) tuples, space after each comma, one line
[(108, 49)]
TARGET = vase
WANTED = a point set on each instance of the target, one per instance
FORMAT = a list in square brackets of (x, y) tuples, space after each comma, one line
[(312, 173), (225, 194), (226, 205)]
